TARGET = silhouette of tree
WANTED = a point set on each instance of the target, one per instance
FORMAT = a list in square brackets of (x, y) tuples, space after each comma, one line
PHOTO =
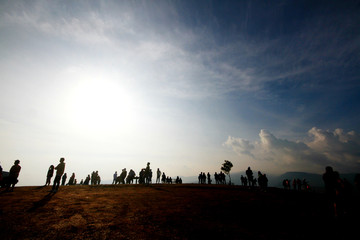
[(226, 167)]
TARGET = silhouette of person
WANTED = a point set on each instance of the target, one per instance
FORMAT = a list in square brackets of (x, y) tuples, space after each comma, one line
[(98, 180), (249, 174), (242, 180), (122, 176), (222, 178), (94, 177), (63, 180), (254, 182), (148, 174), (265, 181), (163, 178), (59, 172), (262, 180), (142, 176), (72, 179), (245, 181), (13, 175), (49, 175), (130, 177), (115, 176), (87, 180), (158, 175), (330, 182), (299, 183), (285, 183)]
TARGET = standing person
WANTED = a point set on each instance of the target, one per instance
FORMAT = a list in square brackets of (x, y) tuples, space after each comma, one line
[(59, 172), (148, 173), (209, 178), (72, 180), (249, 174), (87, 180), (330, 179), (115, 177), (13, 175), (158, 175), (49, 175), (163, 178), (63, 179)]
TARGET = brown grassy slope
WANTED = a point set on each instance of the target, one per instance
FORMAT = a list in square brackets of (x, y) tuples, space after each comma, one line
[(163, 212)]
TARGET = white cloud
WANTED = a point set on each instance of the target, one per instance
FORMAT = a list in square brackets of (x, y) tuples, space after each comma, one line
[(239, 145), (338, 149)]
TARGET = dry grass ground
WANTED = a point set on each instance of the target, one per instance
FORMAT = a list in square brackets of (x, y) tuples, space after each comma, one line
[(167, 212)]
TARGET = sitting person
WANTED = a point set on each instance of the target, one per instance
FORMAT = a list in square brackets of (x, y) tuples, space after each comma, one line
[(12, 179)]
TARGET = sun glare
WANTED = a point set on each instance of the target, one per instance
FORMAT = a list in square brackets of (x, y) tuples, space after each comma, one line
[(103, 105)]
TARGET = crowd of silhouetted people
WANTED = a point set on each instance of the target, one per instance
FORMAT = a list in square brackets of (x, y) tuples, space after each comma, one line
[(296, 184), (250, 181), (338, 191), (220, 178), (145, 177), (206, 178)]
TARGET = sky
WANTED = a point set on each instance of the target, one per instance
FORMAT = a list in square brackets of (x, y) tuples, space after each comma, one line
[(183, 85)]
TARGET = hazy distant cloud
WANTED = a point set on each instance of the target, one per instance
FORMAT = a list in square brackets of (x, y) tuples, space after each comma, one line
[(338, 149)]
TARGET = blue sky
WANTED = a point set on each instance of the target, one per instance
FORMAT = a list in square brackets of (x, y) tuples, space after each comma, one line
[(182, 84)]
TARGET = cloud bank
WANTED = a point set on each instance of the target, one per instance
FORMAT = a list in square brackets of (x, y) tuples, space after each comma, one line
[(321, 148)]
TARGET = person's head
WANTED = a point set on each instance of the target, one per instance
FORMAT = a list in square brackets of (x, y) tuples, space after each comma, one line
[(17, 162), (62, 159), (51, 166), (329, 169)]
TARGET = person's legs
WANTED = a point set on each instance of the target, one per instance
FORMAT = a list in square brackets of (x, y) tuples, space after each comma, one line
[(56, 183), (10, 183)]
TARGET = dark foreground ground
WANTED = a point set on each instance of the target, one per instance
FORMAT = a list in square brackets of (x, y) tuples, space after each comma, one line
[(170, 212)]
